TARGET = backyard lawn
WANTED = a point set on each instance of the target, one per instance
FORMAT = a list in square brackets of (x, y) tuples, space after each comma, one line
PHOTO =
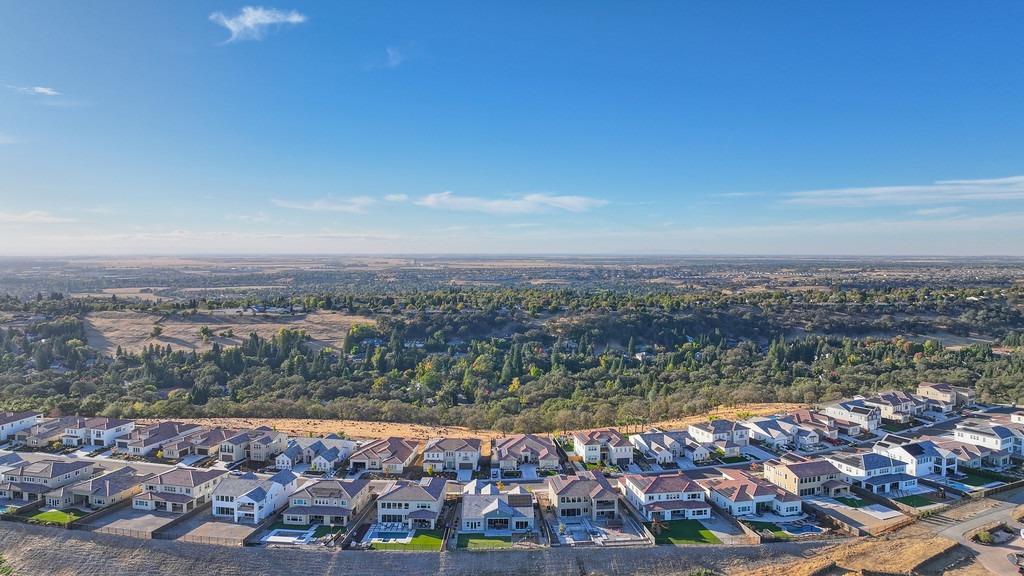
[(321, 530), (852, 502), (974, 480), (481, 542), (915, 500), (776, 531), (423, 541), (684, 532), (58, 516), (733, 459)]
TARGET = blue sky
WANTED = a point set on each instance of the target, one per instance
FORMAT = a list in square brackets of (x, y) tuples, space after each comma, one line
[(651, 127)]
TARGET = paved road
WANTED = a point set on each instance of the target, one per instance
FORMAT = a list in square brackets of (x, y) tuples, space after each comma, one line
[(993, 558)]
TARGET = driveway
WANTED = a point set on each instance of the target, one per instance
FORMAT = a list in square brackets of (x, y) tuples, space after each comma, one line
[(993, 558)]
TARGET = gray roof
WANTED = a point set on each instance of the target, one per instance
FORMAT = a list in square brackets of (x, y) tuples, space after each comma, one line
[(866, 460), (887, 478), (453, 444), (333, 489), (109, 484), (497, 506), (429, 488), (8, 417), (47, 468), (188, 477), (251, 485)]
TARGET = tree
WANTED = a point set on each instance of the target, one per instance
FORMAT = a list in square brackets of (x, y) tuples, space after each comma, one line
[(156, 331)]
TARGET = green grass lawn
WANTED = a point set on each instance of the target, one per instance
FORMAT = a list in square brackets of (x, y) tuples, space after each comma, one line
[(775, 529), (320, 532), (58, 516), (733, 459), (423, 540), (684, 532), (852, 502), (972, 479), (481, 542), (916, 500)]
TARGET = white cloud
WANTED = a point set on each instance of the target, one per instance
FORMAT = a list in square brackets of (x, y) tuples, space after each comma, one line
[(529, 203), (35, 90), (31, 217), (395, 57), (258, 217), (354, 205), (253, 21), (6, 139), (397, 198), (943, 191), (939, 211)]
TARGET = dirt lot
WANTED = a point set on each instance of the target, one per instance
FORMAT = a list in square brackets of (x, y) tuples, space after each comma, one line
[(204, 528), (732, 413), (131, 330), (131, 522)]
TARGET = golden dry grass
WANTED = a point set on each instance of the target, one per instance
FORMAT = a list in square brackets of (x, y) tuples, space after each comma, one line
[(131, 330), (731, 413)]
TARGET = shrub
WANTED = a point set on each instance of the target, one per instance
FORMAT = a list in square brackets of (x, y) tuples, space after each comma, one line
[(984, 537)]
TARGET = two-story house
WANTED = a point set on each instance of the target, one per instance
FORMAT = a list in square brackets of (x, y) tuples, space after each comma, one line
[(328, 502), (147, 440), (451, 454), (515, 452), (390, 455), (955, 397), (667, 447), (96, 432), (990, 435), (807, 477), (781, 432), (743, 494), (415, 504), (871, 471), (250, 499), (604, 445), (178, 490), (586, 495), (30, 481), (896, 406), (260, 445), (99, 491), (45, 432), (321, 454), (486, 509), (13, 422), (665, 497), (726, 436), (204, 442), (922, 457), (867, 418)]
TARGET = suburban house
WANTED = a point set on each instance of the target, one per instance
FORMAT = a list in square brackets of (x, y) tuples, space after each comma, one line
[(897, 406), (321, 454), (665, 497), (588, 494), (513, 452), (781, 432), (390, 455), (249, 499), (807, 477), (178, 490), (45, 432), (14, 422), (991, 435), (99, 491), (258, 445), (726, 436), (144, 441), (742, 494), (868, 418), (667, 447), (823, 425), (205, 442), (922, 457), (328, 502), (96, 432), (415, 504), (954, 396), (873, 472), (29, 481), (485, 509), (451, 454), (604, 445), (973, 456)]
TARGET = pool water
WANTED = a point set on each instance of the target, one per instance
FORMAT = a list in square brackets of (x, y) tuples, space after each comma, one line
[(803, 529), (391, 535)]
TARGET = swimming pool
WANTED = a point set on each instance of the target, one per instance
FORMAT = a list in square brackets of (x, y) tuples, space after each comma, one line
[(803, 529)]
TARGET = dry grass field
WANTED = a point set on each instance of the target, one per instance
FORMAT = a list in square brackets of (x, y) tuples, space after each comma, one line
[(131, 330), (731, 413)]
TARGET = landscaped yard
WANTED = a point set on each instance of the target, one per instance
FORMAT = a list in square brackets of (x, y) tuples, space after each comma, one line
[(777, 531), (852, 502), (684, 532), (58, 516), (481, 542), (915, 500), (974, 480), (423, 540), (733, 459), (321, 530)]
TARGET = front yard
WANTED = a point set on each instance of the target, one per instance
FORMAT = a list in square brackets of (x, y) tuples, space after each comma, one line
[(683, 532), (481, 542), (422, 541)]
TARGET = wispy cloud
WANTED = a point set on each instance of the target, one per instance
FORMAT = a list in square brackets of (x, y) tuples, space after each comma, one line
[(943, 191), (32, 217), (253, 22), (258, 217), (35, 90), (6, 139), (529, 203), (939, 211), (396, 198), (354, 205)]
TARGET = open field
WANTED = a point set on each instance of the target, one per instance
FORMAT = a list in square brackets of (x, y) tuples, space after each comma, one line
[(351, 428), (132, 330), (148, 294), (731, 413)]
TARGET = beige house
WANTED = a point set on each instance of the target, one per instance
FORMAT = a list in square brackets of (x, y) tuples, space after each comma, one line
[(148, 440), (603, 445), (204, 442), (98, 492), (259, 445), (513, 452), (415, 504), (30, 481), (587, 495), (178, 490), (45, 432), (328, 502), (955, 396), (806, 477), (390, 455)]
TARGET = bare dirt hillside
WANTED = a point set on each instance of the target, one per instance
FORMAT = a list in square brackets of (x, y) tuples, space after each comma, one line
[(132, 330)]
